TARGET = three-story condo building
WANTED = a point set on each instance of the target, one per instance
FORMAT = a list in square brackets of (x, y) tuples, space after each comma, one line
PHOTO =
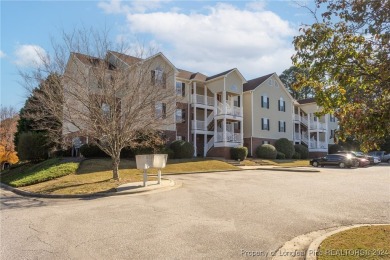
[(218, 112)]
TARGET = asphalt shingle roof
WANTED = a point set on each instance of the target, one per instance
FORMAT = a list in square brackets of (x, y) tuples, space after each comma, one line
[(254, 83)]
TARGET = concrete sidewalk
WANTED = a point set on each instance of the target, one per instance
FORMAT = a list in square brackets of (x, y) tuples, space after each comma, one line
[(128, 188)]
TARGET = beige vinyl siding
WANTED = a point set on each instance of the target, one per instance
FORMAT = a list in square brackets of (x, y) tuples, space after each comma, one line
[(216, 86), (274, 93), (247, 114), (233, 83)]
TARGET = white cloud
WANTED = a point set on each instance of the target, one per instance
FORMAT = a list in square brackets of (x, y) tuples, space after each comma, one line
[(2, 54), (29, 55), (256, 42), (256, 5), (135, 6)]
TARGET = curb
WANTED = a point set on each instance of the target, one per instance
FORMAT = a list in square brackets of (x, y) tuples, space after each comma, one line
[(306, 246), (313, 250), (173, 185), (281, 170)]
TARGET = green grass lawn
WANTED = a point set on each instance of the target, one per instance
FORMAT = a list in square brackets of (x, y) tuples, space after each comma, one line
[(95, 175), (29, 174), (281, 163), (371, 242)]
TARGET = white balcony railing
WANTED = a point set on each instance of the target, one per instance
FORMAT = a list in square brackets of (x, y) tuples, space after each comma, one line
[(219, 137), (203, 100), (297, 136), (314, 125), (197, 124), (296, 117), (235, 111), (320, 145)]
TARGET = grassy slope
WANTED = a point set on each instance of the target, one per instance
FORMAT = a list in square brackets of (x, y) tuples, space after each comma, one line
[(372, 242), (95, 175), (29, 174)]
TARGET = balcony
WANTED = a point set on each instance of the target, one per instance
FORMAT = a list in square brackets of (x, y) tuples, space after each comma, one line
[(230, 137), (314, 125), (197, 124), (297, 117), (203, 100), (230, 110), (320, 145)]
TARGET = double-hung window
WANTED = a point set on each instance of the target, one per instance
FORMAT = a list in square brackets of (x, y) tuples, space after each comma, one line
[(265, 124), (282, 126), (161, 110), (180, 88), (180, 115), (281, 105), (106, 109), (265, 101), (158, 77)]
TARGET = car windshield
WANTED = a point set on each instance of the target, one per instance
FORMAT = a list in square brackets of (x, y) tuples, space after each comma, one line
[(358, 153)]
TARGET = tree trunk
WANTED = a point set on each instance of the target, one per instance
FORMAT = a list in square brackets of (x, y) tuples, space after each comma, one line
[(115, 167)]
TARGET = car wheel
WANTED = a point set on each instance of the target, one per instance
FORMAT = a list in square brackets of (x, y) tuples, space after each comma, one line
[(388, 161), (342, 165), (315, 164)]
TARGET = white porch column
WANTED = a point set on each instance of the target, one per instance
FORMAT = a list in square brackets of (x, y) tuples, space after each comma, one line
[(327, 137), (318, 139), (194, 95), (205, 94), (241, 107), (215, 104), (242, 131), (205, 145), (224, 129), (195, 148), (224, 101)]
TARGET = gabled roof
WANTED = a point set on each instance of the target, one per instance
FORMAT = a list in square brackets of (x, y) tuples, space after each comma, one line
[(126, 58), (185, 74), (220, 74), (198, 76), (306, 101), (92, 61), (254, 83)]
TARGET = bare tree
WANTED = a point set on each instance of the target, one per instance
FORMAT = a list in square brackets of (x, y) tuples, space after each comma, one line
[(108, 97)]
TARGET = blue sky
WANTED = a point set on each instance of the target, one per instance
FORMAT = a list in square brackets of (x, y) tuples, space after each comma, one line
[(205, 36)]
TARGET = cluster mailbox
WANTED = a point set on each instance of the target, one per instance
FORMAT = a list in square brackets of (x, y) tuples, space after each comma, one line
[(146, 161)]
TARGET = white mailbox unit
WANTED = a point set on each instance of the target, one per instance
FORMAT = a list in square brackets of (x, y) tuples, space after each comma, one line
[(146, 161)]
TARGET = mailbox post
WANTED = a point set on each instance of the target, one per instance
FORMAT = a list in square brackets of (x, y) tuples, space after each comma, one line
[(146, 161), (159, 162)]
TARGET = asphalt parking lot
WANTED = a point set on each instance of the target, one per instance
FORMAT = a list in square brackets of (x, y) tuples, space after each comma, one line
[(213, 215)]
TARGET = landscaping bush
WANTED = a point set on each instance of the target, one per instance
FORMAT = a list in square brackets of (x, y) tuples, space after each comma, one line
[(92, 151), (266, 151), (32, 146), (65, 152), (239, 153), (127, 153), (283, 145), (334, 148), (296, 156), (280, 156), (182, 149), (167, 150), (302, 150)]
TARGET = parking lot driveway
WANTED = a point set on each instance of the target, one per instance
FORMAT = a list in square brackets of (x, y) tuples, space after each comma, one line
[(213, 215)]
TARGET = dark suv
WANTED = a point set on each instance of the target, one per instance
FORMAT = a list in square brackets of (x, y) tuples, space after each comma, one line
[(341, 160)]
